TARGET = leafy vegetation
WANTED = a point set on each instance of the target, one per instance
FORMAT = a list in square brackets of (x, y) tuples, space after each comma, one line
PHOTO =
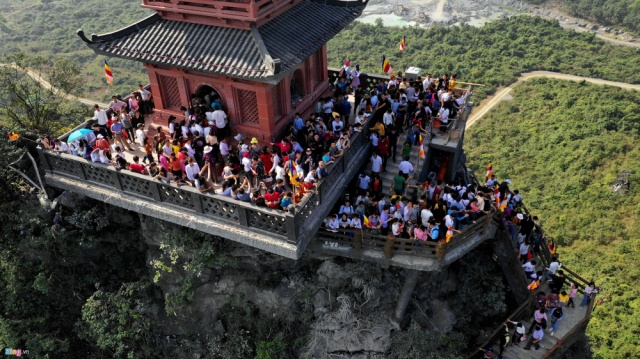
[(120, 322), (192, 252), (606, 12), (48, 28), (494, 55), (562, 144), (27, 105)]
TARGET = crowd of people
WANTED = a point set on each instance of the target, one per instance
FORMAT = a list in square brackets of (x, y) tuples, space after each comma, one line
[(529, 245), (403, 110), (198, 149)]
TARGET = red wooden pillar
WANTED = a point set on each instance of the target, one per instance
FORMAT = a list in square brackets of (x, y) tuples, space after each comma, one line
[(265, 113)]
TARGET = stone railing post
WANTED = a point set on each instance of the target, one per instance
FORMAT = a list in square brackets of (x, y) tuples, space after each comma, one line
[(243, 216), (290, 223), (116, 180), (388, 247), (197, 203), (43, 158), (155, 191)]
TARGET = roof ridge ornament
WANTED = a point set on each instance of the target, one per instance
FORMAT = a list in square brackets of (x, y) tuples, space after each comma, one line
[(272, 64)]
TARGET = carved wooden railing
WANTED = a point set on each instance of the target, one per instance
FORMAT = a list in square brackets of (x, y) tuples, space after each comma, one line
[(571, 276), (363, 240)]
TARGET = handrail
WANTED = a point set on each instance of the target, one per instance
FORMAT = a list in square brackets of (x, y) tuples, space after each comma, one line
[(392, 245), (273, 222), (546, 256), (518, 313)]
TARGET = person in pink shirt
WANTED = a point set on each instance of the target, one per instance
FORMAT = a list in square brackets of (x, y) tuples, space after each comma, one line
[(164, 162), (133, 102), (572, 294)]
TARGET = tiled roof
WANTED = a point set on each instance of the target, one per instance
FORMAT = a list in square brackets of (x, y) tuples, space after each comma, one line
[(264, 54)]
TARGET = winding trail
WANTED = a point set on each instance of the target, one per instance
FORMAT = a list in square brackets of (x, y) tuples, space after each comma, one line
[(48, 86), (492, 101)]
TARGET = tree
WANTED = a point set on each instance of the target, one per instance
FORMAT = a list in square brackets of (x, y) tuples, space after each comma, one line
[(35, 93), (120, 322)]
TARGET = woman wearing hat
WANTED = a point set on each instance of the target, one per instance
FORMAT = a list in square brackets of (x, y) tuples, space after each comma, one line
[(255, 150)]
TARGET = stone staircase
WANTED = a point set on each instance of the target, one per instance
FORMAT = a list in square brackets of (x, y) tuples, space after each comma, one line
[(392, 167)]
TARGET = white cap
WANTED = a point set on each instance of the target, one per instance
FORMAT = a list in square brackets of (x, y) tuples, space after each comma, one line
[(508, 181), (520, 216), (100, 136)]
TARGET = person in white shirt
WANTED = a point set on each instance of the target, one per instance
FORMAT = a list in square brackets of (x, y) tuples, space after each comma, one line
[(145, 96), (376, 163), (220, 120), (346, 208), (425, 215), (61, 147), (97, 155), (246, 166), (333, 224), (374, 139), (444, 115), (360, 117), (406, 167), (280, 173), (224, 148), (355, 222), (388, 117), (191, 169), (102, 118), (427, 82), (140, 135), (363, 182), (553, 267)]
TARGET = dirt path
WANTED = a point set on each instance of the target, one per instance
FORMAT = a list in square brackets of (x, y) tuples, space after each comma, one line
[(48, 86), (438, 14), (488, 104)]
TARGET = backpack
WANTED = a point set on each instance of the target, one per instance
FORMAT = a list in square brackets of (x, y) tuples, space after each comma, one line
[(435, 233)]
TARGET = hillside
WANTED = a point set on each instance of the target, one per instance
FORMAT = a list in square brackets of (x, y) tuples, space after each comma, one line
[(47, 28), (563, 144), (494, 54), (606, 12)]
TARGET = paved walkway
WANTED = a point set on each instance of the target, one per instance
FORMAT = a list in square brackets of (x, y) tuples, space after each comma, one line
[(486, 106)]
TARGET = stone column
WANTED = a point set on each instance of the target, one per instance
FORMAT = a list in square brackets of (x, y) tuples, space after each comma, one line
[(406, 293)]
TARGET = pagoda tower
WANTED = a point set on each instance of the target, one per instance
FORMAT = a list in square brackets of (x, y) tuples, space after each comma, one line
[(265, 58)]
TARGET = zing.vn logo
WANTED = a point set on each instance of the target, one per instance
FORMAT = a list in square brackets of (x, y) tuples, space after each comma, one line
[(16, 352)]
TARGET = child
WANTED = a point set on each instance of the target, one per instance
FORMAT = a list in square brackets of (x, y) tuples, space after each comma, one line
[(148, 151), (563, 298)]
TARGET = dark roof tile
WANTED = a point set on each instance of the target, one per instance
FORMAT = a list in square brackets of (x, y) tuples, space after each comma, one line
[(290, 38)]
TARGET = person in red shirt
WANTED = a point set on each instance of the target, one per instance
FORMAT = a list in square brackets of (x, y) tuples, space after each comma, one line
[(272, 199), (176, 169), (284, 145), (137, 167), (383, 151), (103, 144), (266, 159)]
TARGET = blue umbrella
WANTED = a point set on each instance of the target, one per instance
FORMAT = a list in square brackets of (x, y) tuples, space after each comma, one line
[(78, 134)]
